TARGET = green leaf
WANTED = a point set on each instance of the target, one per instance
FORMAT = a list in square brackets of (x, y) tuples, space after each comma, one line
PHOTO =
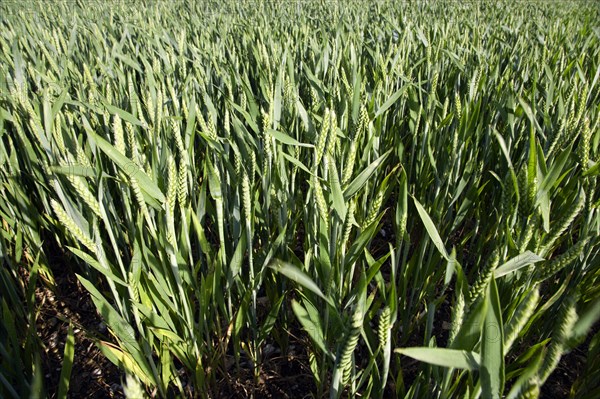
[(469, 333), (525, 259), (530, 371), (586, 320), (133, 357), (553, 174), (390, 101), (310, 325), (202, 240), (530, 115), (297, 275), (492, 351), (269, 323), (443, 357), (362, 178), (362, 241), (73, 170), (504, 149), (123, 359), (286, 139), (296, 162), (235, 264), (67, 364), (123, 331), (214, 182), (593, 170), (19, 245), (96, 265), (165, 333), (450, 267), (336, 190), (431, 229), (129, 167), (126, 116), (129, 62)]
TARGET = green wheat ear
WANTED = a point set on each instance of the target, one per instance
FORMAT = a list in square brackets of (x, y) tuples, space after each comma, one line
[(72, 227), (182, 185), (350, 342), (384, 326), (320, 201), (246, 199), (564, 222), (81, 187), (520, 318), (484, 277), (524, 203), (554, 266), (567, 319), (322, 137), (374, 211), (139, 197), (172, 183), (347, 228), (583, 150), (458, 314), (361, 126), (57, 135), (349, 164), (118, 132)]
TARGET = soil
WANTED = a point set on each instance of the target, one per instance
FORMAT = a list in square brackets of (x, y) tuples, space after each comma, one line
[(93, 375)]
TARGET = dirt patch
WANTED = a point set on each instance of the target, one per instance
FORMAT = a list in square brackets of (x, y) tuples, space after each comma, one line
[(92, 376)]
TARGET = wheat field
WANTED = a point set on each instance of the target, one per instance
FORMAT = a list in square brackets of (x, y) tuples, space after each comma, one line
[(300, 199)]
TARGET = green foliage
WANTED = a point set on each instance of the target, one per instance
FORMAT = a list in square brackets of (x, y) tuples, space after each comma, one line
[(235, 177)]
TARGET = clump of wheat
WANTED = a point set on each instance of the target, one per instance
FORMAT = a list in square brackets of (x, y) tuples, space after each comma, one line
[(583, 150), (566, 320), (320, 201), (564, 222), (561, 261), (458, 313), (520, 318), (81, 187), (268, 135), (350, 342), (322, 137), (484, 276), (348, 222), (374, 209), (72, 227), (384, 326)]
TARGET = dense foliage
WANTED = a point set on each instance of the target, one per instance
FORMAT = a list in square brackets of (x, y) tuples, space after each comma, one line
[(408, 188)]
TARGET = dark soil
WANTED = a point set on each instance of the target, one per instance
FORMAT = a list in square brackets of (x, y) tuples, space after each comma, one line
[(93, 375)]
